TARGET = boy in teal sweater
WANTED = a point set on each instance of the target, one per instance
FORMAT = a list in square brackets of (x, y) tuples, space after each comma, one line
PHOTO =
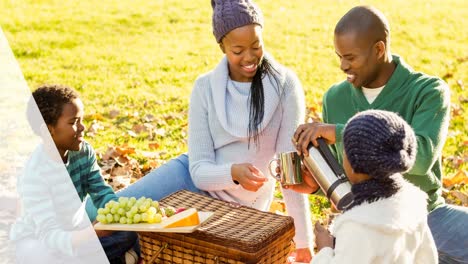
[(53, 227), (376, 79)]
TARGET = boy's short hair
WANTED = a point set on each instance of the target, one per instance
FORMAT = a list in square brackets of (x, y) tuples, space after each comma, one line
[(49, 100), (379, 143)]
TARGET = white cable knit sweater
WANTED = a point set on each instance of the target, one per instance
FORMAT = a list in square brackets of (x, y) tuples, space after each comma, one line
[(387, 231), (218, 121)]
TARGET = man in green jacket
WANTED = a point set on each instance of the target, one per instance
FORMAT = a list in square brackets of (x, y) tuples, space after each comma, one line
[(376, 79)]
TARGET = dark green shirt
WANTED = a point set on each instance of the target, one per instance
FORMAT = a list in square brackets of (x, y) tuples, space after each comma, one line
[(423, 101)]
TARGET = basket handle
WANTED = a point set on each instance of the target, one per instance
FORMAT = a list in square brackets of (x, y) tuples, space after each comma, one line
[(164, 246)]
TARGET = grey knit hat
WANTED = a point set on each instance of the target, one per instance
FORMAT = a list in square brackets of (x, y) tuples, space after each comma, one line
[(379, 143), (231, 14)]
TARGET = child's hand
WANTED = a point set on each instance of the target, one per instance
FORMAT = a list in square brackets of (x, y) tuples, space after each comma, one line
[(302, 255), (248, 176), (323, 238)]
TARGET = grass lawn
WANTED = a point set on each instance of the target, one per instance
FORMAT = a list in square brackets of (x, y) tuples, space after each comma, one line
[(134, 62)]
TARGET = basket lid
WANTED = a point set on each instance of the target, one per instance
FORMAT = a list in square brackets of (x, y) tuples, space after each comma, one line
[(232, 225)]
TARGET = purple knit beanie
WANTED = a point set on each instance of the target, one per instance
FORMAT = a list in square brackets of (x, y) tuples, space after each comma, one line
[(379, 143), (231, 14)]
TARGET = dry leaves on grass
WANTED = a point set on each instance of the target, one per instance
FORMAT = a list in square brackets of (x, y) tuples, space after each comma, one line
[(455, 188), (120, 168), (313, 113), (461, 177)]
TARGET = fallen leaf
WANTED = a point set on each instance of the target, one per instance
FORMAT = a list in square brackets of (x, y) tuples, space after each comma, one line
[(149, 118), (463, 197), (456, 110), (125, 150), (460, 177), (154, 164), (150, 165), (110, 153), (95, 116), (313, 112), (277, 205), (153, 145), (122, 160), (107, 164), (173, 116), (138, 128), (114, 113), (447, 75), (462, 59), (121, 171)]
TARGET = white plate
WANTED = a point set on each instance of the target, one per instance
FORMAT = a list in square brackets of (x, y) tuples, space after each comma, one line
[(204, 216)]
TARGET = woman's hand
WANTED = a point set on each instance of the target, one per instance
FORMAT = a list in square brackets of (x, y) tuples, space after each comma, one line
[(309, 185), (302, 255), (323, 238), (248, 176), (308, 133)]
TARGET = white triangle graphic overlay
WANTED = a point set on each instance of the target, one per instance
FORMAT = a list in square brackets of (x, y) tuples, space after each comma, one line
[(25, 236)]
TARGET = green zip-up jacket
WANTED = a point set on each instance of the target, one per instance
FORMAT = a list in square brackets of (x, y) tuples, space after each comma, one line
[(423, 101)]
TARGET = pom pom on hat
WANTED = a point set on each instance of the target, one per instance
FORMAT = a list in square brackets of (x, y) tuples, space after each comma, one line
[(379, 143), (231, 14)]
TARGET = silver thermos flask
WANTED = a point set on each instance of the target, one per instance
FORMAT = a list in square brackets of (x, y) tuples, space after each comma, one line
[(329, 175)]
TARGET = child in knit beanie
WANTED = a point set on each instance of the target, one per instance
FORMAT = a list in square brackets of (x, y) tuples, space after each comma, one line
[(388, 221), (380, 145)]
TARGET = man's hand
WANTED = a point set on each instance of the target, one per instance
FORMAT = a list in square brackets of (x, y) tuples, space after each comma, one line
[(308, 133), (309, 185), (323, 238), (248, 176)]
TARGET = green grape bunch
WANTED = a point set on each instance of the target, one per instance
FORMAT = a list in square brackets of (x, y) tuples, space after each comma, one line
[(129, 210)]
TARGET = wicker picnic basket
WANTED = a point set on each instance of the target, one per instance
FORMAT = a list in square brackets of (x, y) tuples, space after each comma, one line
[(234, 234)]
